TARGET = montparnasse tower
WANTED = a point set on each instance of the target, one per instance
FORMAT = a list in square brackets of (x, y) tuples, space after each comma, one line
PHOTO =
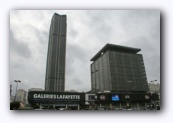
[(56, 55)]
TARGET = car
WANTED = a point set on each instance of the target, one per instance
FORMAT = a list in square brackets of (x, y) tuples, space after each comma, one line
[(117, 108), (62, 109)]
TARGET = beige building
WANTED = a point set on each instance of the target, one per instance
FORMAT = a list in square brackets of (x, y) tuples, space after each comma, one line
[(32, 89), (154, 87), (36, 89), (21, 95)]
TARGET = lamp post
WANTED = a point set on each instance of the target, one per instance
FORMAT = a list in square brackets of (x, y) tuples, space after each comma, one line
[(16, 88)]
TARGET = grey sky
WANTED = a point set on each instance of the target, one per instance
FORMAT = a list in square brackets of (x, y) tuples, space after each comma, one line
[(87, 32)]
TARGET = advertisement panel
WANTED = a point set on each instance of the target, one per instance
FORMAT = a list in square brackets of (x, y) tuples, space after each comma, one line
[(104, 97), (115, 97), (55, 97)]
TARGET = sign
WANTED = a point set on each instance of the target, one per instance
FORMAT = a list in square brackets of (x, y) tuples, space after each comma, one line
[(102, 97), (127, 96), (56, 96), (48, 97), (115, 98)]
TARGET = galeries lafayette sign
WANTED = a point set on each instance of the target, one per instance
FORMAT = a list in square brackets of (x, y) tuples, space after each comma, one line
[(56, 96)]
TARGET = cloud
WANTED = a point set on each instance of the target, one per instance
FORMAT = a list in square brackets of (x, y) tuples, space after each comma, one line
[(19, 47), (87, 32), (143, 31)]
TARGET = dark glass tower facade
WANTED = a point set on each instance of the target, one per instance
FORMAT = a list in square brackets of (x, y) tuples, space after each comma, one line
[(118, 68), (56, 56)]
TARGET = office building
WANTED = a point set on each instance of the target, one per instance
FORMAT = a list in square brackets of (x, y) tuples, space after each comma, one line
[(118, 68), (56, 57)]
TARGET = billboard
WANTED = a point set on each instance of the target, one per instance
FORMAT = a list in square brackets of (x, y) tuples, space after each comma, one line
[(115, 97), (55, 97)]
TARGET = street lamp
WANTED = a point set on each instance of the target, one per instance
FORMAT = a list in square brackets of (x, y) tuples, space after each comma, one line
[(16, 88)]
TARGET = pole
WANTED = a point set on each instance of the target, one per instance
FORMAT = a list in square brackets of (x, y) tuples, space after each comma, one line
[(138, 106), (16, 92), (16, 89)]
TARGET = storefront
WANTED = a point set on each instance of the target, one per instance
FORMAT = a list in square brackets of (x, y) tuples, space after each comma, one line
[(124, 100), (56, 100), (99, 101)]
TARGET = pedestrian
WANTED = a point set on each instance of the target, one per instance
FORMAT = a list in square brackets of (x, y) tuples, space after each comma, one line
[(16, 105)]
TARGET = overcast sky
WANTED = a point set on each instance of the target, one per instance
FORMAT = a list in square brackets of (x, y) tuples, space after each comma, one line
[(87, 32)]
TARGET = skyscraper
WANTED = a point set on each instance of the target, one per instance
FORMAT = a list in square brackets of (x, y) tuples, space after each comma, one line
[(56, 56), (118, 68)]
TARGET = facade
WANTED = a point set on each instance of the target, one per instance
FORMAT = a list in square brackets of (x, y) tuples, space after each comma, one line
[(127, 100), (118, 68), (55, 100), (99, 101), (154, 87), (56, 57)]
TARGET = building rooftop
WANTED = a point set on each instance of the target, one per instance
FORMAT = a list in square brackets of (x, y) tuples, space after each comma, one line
[(58, 14), (112, 47)]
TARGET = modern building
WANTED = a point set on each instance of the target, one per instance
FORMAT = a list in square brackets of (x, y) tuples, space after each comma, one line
[(56, 56), (117, 69)]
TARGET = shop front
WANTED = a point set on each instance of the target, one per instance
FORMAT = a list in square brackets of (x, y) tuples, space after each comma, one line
[(56, 100), (123, 100)]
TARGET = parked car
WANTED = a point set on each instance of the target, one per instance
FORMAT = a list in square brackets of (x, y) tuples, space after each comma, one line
[(62, 109)]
